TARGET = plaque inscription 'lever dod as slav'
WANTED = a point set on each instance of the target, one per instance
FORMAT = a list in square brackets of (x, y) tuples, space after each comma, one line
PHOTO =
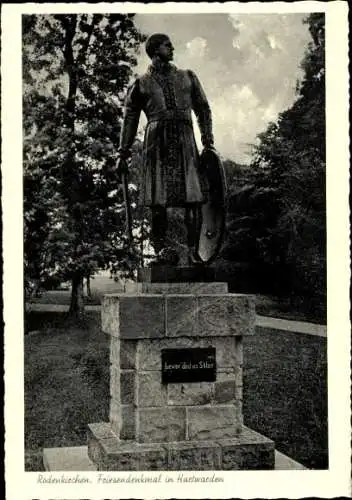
[(188, 365)]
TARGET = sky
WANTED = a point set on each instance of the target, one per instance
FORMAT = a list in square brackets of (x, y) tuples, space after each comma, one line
[(248, 65)]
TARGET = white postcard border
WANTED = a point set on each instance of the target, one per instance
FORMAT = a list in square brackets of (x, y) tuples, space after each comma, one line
[(246, 484)]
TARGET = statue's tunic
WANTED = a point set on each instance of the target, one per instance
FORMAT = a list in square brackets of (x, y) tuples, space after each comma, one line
[(171, 174)]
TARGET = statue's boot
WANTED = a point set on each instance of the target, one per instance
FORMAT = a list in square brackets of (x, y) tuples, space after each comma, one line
[(193, 221), (168, 256), (158, 233), (193, 257)]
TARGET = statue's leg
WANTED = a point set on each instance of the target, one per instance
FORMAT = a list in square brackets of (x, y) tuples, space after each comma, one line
[(159, 227), (193, 221)]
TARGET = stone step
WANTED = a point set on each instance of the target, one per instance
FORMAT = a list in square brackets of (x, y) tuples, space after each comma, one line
[(248, 451), (75, 458), (197, 288)]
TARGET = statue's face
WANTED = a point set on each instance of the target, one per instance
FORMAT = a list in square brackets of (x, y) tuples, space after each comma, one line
[(165, 51)]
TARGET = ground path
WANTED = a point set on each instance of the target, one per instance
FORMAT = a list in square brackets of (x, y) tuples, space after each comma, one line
[(291, 326)]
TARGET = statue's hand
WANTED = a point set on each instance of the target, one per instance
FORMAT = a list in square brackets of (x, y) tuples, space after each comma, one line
[(209, 145), (121, 166)]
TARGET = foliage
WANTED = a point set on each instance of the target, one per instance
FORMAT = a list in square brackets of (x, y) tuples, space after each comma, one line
[(279, 222), (75, 71)]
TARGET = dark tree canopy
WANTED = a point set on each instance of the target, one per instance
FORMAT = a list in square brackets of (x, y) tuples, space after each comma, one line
[(75, 72), (278, 221)]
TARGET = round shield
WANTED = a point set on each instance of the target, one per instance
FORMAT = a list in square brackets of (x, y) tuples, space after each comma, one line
[(213, 212)]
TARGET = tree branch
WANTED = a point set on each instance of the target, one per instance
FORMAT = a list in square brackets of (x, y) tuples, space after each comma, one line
[(84, 50)]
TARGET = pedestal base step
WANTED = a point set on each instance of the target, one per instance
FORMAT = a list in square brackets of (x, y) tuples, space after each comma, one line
[(173, 274), (248, 451), (75, 458)]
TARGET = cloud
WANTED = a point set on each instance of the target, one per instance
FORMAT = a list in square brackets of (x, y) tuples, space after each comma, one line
[(273, 42), (238, 117), (248, 65), (196, 47)]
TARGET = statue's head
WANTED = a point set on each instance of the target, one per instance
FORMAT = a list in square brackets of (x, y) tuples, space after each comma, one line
[(159, 46)]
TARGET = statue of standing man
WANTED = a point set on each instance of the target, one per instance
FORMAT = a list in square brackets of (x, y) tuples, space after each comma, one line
[(172, 175)]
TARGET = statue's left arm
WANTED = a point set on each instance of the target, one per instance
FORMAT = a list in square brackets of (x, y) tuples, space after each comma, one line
[(202, 111)]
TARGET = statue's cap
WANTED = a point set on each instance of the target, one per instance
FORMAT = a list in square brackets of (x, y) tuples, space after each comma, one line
[(153, 43)]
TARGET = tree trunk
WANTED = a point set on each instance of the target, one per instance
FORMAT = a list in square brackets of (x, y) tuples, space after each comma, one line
[(71, 184), (77, 302), (89, 292)]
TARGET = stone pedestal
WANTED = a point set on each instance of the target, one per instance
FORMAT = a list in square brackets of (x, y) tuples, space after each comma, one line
[(169, 274), (155, 425)]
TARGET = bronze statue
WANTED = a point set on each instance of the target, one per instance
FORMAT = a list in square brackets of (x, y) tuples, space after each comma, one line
[(172, 173)]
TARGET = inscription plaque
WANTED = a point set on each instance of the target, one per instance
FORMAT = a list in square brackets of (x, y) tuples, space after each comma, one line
[(188, 365)]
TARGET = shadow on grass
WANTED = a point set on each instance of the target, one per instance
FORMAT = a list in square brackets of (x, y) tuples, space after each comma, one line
[(292, 308)]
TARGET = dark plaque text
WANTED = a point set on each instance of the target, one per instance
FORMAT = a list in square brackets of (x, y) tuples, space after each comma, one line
[(188, 365)]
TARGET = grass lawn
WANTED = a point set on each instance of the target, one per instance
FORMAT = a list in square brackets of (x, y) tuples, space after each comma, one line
[(285, 393), (66, 383), (67, 387)]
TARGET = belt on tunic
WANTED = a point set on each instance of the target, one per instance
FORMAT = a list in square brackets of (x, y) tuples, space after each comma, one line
[(171, 115)]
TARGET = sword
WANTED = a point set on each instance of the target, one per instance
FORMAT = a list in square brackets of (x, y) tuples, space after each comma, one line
[(124, 181)]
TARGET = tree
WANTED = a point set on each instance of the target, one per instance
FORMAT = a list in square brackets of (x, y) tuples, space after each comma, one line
[(279, 223), (75, 72), (290, 159)]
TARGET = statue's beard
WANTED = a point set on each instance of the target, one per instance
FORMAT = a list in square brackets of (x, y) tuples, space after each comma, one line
[(166, 59)]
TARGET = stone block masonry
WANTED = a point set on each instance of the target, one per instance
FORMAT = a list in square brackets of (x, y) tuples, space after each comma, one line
[(145, 409), (176, 425), (249, 451), (141, 316)]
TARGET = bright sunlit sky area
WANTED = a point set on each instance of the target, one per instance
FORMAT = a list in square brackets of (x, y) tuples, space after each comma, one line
[(248, 65)]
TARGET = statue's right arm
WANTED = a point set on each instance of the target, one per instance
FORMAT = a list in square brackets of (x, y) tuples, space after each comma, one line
[(133, 108)]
